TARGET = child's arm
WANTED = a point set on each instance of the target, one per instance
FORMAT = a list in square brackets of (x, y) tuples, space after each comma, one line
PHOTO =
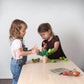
[(24, 53), (45, 52), (56, 45)]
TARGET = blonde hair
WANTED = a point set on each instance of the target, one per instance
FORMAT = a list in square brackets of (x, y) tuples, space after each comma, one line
[(14, 31)]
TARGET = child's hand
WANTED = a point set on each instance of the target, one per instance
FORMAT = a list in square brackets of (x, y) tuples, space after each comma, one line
[(37, 51), (33, 51)]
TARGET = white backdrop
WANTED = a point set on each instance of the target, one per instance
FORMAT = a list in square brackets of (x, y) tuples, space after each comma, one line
[(65, 17)]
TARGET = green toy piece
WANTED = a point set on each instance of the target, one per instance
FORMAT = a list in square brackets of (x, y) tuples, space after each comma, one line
[(34, 60), (65, 59), (44, 51), (48, 59), (50, 50), (53, 49), (47, 54), (38, 59), (53, 61), (60, 58), (40, 53)]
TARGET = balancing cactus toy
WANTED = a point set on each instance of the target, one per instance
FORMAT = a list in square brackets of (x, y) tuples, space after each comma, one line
[(46, 53)]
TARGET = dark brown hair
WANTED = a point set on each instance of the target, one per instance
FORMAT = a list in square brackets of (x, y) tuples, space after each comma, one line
[(14, 31), (44, 27)]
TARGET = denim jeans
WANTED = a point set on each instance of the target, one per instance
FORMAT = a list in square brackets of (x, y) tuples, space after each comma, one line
[(16, 66)]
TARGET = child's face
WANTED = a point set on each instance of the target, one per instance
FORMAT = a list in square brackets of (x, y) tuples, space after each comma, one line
[(23, 30), (45, 35)]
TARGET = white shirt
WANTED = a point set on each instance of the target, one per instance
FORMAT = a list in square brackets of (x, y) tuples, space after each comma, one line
[(16, 44)]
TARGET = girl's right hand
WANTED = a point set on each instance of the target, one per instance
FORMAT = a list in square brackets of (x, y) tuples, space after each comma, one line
[(33, 51)]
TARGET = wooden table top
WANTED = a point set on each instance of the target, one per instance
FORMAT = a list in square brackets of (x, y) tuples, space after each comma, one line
[(39, 73)]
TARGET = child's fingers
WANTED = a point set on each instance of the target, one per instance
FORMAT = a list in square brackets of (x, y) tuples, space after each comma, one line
[(33, 51), (37, 51)]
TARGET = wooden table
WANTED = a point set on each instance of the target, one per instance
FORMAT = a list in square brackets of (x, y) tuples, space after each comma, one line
[(39, 73)]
